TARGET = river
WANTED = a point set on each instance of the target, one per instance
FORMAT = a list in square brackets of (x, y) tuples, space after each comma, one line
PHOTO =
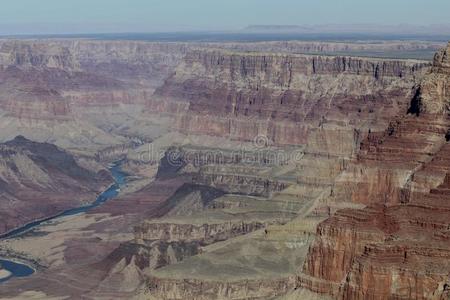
[(16, 269)]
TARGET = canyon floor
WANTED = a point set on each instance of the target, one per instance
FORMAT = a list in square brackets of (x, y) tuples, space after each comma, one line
[(253, 170)]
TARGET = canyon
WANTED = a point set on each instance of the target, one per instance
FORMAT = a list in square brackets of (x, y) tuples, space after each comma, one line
[(269, 170), (38, 179)]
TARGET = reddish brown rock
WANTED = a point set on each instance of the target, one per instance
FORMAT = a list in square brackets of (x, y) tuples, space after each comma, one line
[(399, 246), (288, 98)]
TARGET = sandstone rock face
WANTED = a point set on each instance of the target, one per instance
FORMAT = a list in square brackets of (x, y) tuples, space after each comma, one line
[(384, 253), (284, 95), (287, 98), (290, 99), (238, 225), (203, 290), (397, 247), (39, 180), (238, 182), (435, 89), (387, 161), (146, 63), (29, 55), (340, 243), (377, 251), (150, 255), (203, 234), (49, 88), (375, 49)]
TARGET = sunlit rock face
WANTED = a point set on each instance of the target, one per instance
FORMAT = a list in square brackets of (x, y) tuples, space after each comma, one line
[(435, 89), (237, 225), (398, 247), (51, 88), (291, 99)]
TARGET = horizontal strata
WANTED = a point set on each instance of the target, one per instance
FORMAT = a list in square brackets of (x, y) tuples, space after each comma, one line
[(288, 98), (350, 244), (326, 103), (372, 49), (307, 63), (399, 246), (190, 289), (203, 234), (55, 90)]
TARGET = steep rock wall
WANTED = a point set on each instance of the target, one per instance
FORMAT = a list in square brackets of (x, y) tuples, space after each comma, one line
[(286, 98), (435, 89), (397, 247)]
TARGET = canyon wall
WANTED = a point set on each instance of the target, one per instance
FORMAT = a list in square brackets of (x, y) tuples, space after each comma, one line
[(287, 98), (435, 89), (203, 290), (344, 117), (290, 99), (49, 88), (328, 105), (397, 247), (203, 234)]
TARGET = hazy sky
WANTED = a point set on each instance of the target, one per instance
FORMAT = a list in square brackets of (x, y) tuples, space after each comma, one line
[(33, 16)]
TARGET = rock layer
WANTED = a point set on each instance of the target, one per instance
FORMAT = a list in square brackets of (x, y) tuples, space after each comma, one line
[(203, 290), (223, 226), (287, 98), (397, 247)]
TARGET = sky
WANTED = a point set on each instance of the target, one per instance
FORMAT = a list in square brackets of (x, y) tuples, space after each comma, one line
[(96, 16)]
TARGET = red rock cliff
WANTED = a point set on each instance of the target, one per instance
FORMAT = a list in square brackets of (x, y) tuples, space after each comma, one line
[(398, 247)]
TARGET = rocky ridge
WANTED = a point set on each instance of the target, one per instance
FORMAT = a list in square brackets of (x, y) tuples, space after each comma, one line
[(31, 172)]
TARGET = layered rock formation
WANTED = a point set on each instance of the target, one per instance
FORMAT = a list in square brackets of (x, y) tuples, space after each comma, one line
[(191, 289), (397, 247), (267, 145), (126, 61), (35, 54), (202, 234), (75, 81), (435, 89), (145, 63), (33, 80), (412, 49), (49, 88), (290, 99), (326, 104), (38, 180)]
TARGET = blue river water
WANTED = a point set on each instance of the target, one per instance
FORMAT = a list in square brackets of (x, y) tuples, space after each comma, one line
[(16, 269), (22, 270)]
